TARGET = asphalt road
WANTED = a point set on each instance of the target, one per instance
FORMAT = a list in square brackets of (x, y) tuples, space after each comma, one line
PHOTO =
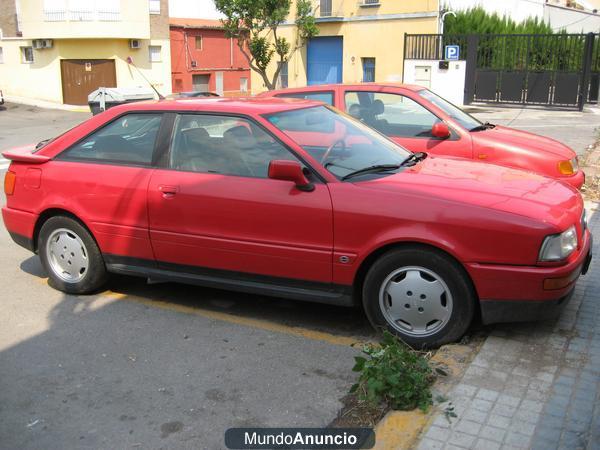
[(169, 366)]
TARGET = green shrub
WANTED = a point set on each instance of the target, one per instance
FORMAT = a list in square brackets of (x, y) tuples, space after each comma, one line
[(394, 374)]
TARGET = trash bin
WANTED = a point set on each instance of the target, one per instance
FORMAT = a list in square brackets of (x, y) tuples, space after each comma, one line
[(104, 98)]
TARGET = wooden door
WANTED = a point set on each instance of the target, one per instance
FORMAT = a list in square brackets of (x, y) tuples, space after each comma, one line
[(82, 76)]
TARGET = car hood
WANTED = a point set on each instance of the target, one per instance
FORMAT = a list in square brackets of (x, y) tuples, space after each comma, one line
[(489, 186), (521, 142)]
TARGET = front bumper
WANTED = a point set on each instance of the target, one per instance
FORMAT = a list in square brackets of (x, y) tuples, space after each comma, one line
[(577, 180), (517, 293)]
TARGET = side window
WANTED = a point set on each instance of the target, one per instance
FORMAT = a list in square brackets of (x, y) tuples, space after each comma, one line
[(128, 139), (325, 97), (391, 114), (224, 145)]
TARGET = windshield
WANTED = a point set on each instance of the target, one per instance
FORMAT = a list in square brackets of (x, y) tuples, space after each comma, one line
[(466, 120), (341, 143)]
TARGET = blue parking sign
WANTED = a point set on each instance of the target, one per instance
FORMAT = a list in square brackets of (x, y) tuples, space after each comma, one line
[(452, 52)]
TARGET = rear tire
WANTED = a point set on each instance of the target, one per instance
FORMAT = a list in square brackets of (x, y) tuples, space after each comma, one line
[(421, 295), (71, 257)]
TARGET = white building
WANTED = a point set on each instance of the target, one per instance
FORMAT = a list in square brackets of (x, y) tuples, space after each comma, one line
[(584, 17)]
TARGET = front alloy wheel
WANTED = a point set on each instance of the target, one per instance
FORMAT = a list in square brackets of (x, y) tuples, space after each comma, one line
[(415, 301), (420, 294)]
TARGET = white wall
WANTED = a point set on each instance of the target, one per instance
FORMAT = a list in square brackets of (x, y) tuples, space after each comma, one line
[(449, 84), (518, 10), (194, 9), (572, 20)]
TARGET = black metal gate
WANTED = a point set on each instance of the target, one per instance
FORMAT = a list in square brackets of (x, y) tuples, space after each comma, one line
[(552, 69), (538, 69)]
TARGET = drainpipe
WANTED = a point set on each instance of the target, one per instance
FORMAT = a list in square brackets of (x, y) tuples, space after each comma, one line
[(231, 52)]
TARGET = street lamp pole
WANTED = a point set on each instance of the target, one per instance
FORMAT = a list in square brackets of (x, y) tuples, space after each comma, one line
[(442, 18)]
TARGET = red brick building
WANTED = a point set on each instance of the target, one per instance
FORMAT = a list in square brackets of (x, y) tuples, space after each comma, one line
[(204, 59)]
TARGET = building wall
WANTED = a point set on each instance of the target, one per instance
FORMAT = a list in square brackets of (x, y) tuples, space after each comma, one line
[(377, 36), (8, 18), (159, 23), (133, 23), (42, 79), (572, 20), (449, 84), (554, 12), (218, 54), (518, 10)]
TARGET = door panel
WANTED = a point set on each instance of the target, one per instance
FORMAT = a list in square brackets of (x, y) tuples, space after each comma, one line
[(241, 224), (325, 60), (82, 76), (201, 82)]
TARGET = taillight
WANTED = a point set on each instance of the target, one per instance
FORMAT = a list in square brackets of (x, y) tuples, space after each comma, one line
[(9, 182)]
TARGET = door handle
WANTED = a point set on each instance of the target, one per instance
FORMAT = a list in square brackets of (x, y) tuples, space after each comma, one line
[(168, 191)]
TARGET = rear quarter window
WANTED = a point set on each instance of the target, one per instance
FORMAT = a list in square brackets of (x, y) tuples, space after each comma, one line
[(128, 140)]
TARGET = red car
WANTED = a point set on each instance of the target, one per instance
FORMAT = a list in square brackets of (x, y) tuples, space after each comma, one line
[(421, 121), (290, 198)]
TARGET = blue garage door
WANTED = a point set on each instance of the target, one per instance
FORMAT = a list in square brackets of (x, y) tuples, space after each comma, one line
[(324, 55)]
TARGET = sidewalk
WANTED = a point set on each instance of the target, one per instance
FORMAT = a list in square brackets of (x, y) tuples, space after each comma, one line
[(533, 385)]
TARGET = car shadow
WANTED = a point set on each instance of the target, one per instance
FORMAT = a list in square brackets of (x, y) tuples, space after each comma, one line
[(337, 320)]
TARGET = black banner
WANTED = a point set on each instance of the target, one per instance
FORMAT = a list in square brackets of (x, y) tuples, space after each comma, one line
[(299, 438)]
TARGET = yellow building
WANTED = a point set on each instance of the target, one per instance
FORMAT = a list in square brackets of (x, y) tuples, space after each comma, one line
[(60, 50), (359, 40)]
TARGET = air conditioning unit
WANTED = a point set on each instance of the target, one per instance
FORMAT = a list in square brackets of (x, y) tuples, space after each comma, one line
[(194, 64), (42, 43), (135, 43)]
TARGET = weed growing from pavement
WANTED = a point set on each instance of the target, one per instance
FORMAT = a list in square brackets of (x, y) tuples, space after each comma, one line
[(393, 374)]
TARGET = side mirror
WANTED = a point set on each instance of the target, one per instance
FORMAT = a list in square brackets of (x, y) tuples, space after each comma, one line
[(440, 130), (290, 171)]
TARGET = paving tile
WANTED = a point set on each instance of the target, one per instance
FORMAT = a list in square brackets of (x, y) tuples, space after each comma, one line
[(517, 439), (534, 385), (439, 433), (430, 444), (461, 439), (484, 444), (468, 426), (492, 433)]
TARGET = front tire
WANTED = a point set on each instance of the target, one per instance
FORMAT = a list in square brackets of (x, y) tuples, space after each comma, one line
[(71, 257), (421, 295)]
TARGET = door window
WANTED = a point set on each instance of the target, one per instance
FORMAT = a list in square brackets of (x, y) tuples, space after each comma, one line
[(391, 114), (223, 145), (129, 139), (325, 97)]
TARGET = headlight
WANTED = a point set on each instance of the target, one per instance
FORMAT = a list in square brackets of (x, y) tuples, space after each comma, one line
[(568, 167), (559, 246)]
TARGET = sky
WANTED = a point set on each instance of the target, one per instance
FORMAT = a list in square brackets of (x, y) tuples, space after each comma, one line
[(197, 9)]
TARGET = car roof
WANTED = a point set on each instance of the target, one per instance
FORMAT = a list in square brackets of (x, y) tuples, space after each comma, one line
[(243, 105), (325, 87)]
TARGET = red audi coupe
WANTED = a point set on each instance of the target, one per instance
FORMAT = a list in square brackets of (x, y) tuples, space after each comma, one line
[(421, 121), (293, 199)]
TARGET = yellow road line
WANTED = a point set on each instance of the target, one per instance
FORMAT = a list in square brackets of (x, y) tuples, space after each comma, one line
[(244, 321), (230, 318)]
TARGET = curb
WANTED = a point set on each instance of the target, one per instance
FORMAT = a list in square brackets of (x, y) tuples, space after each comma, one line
[(401, 430)]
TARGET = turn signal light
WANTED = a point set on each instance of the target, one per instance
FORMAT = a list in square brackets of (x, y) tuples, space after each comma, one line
[(559, 283), (9, 182), (566, 168)]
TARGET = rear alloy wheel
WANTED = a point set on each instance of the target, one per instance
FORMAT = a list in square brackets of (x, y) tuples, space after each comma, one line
[(70, 256), (421, 295)]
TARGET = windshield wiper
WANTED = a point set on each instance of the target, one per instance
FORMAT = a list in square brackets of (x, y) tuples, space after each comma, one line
[(483, 126), (372, 169), (414, 158)]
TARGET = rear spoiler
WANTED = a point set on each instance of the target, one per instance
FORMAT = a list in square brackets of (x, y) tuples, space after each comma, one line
[(25, 155)]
